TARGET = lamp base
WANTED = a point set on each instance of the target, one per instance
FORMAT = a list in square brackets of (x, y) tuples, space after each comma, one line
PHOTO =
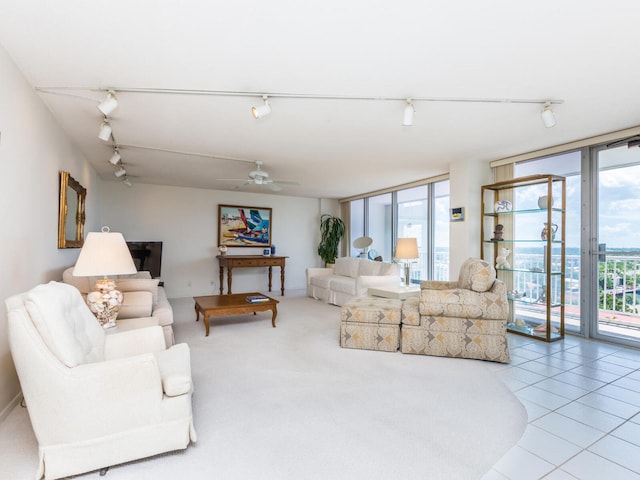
[(407, 274), (105, 303)]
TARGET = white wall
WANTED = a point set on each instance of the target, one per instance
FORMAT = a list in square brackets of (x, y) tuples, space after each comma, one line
[(33, 149), (186, 221), (466, 179)]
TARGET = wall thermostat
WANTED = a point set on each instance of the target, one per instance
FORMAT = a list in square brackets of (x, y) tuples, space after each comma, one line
[(457, 214)]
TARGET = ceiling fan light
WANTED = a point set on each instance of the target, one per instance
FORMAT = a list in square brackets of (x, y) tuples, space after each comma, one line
[(108, 105), (548, 116), (120, 172), (115, 158), (105, 131), (407, 118), (261, 110)]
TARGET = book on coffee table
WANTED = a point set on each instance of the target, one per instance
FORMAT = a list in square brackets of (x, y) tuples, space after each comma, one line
[(257, 298)]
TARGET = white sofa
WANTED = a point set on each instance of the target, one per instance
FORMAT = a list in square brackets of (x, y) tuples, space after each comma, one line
[(96, 399), (143, 297), (350, 277)]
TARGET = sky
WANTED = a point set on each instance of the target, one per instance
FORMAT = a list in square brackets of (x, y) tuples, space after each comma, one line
[(618, 196)]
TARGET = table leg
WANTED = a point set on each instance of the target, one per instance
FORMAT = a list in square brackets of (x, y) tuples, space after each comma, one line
[(270, 271), (197, 313), (282, 280), (274, 310), (229, 269), (221, 279), (206, 325)]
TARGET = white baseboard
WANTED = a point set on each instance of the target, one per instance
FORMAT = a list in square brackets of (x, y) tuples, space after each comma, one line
[(12, 404)]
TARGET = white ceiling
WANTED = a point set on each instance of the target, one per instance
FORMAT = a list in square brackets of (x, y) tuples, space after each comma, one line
[(584, 52)]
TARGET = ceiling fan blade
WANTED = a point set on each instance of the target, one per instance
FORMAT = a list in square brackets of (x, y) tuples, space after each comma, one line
[(285, 182), (234, 180)]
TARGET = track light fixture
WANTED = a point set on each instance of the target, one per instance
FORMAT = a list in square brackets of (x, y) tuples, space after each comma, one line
[(120, 172), (109, 104), (262, 110), (548, 116), (407, 118), (105, 131), (127, 182), (115, 159)]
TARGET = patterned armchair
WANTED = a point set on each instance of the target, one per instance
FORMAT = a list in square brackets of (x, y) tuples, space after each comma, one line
[(467, 318)]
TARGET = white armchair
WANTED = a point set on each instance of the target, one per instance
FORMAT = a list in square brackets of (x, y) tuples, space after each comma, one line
[(96, 400)]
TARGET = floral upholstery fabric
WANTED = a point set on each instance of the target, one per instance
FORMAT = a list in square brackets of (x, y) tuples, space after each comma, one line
[(411, 311), (476, 275), (371, 324), (466, 303), (365, 336), (423, 341), (459, 322), (371, 310)]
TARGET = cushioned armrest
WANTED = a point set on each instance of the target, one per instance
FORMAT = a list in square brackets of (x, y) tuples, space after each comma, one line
[(437, 285), (175, 370), (134, 342), (315, 271)]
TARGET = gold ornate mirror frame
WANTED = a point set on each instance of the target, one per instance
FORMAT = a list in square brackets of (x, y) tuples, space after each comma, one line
[(71, 215)]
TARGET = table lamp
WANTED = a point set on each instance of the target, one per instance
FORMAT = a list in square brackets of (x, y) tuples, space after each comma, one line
[(104, 253), (407, 249)]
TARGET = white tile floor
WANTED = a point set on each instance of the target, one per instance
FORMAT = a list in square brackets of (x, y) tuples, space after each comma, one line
[(583, 402)]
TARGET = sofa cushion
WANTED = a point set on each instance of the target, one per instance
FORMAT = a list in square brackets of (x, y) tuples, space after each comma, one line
[(142, 274), (387, 268), (322, 281), (369, 267), (343, 285), (139, 285), (136, 304), (476, 275), (66, 324), (83, 284), (346, 267)]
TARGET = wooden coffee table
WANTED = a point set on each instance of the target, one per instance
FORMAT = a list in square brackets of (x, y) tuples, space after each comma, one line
[(232, 304)]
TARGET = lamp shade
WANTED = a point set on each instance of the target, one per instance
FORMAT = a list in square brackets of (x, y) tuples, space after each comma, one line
[(104, 253), (407, 248)]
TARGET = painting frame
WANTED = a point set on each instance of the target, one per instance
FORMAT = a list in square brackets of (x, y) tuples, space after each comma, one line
[(243, 226)]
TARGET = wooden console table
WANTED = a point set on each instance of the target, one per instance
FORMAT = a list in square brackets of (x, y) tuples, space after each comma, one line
[(249, 261)]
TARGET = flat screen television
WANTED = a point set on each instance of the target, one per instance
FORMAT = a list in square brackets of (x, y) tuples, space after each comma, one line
[(147, 256)]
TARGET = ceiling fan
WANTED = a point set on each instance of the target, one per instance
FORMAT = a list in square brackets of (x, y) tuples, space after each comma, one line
[(259, 177)]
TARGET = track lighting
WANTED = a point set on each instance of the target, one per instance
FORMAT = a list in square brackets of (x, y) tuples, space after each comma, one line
[(105, 131), (127, 182), (262, 110), (115, 159), (120, 172), (548, 117), (109, 104), (407, 118)]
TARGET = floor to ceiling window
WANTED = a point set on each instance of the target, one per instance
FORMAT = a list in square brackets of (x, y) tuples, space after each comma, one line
[(420, 212), (615, 254), (602, 269)]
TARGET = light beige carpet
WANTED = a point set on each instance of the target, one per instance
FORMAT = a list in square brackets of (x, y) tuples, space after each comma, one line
[(288, 403)]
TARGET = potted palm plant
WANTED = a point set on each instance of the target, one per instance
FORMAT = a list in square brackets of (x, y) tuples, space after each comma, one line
[(331, 231)]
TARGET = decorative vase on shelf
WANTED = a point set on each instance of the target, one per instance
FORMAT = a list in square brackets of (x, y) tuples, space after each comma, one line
[(544, 203), (544, 235)]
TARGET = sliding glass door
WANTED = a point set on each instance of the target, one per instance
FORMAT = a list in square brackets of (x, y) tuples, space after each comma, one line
[(615, 244)]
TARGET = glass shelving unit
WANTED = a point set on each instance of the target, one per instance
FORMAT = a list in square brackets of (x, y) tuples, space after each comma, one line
[(526, 216)]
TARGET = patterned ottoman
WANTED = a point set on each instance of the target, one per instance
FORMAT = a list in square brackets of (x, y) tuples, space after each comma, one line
[(371, 324)]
